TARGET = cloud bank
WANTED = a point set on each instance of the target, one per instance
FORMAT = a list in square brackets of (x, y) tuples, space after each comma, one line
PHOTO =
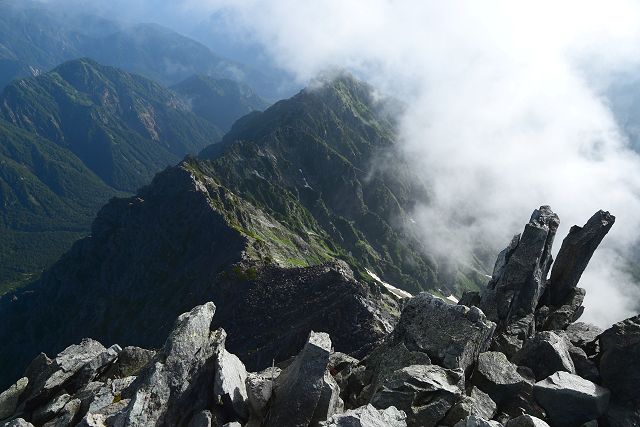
[(506, 107)]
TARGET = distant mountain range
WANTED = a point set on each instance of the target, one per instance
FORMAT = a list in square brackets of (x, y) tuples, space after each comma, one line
[(82, 133), (35, 38)]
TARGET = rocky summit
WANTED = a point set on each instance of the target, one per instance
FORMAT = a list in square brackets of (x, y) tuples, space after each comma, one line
[(519, 363)]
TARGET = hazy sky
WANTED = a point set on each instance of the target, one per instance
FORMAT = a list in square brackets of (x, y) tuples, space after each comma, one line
[(505, 104)]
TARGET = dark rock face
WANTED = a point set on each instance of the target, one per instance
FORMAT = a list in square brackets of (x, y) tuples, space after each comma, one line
[(321, 298), (545, 353), (574, 255), (570, 400), (620, 360), (622, 415)]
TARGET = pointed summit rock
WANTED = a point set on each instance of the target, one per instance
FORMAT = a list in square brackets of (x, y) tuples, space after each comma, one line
[(574, 255), (519, 276)]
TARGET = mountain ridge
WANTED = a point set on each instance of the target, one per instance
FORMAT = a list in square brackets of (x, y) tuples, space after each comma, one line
[(227, 220)]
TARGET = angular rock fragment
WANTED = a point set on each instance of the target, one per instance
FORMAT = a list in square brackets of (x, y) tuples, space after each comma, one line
[(339, 361), (570, 400), (178, 384), (18, 422), (259, 390), (452, 336), (526, 421), (368, 416), (95, 367), (390, 356), (330, 402), (51, 409), (67, 415), (9, 398), (229, 385), (545, 353), (104, 395), (47, 377), (498, 377), (477, 403), (424, 392), (300, 386), (473, 421)]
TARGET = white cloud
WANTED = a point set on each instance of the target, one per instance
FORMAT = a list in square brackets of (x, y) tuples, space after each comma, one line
[(505, 113)]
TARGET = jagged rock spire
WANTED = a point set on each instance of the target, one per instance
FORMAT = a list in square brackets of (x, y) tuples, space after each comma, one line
[(574, 255), (520, 272), (520, 299)]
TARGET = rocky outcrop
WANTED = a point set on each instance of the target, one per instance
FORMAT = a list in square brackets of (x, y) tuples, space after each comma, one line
[(451, 336), (303, 392), (520, 299), (583, 335), (519, 275), (174, 385), (433, 369)]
